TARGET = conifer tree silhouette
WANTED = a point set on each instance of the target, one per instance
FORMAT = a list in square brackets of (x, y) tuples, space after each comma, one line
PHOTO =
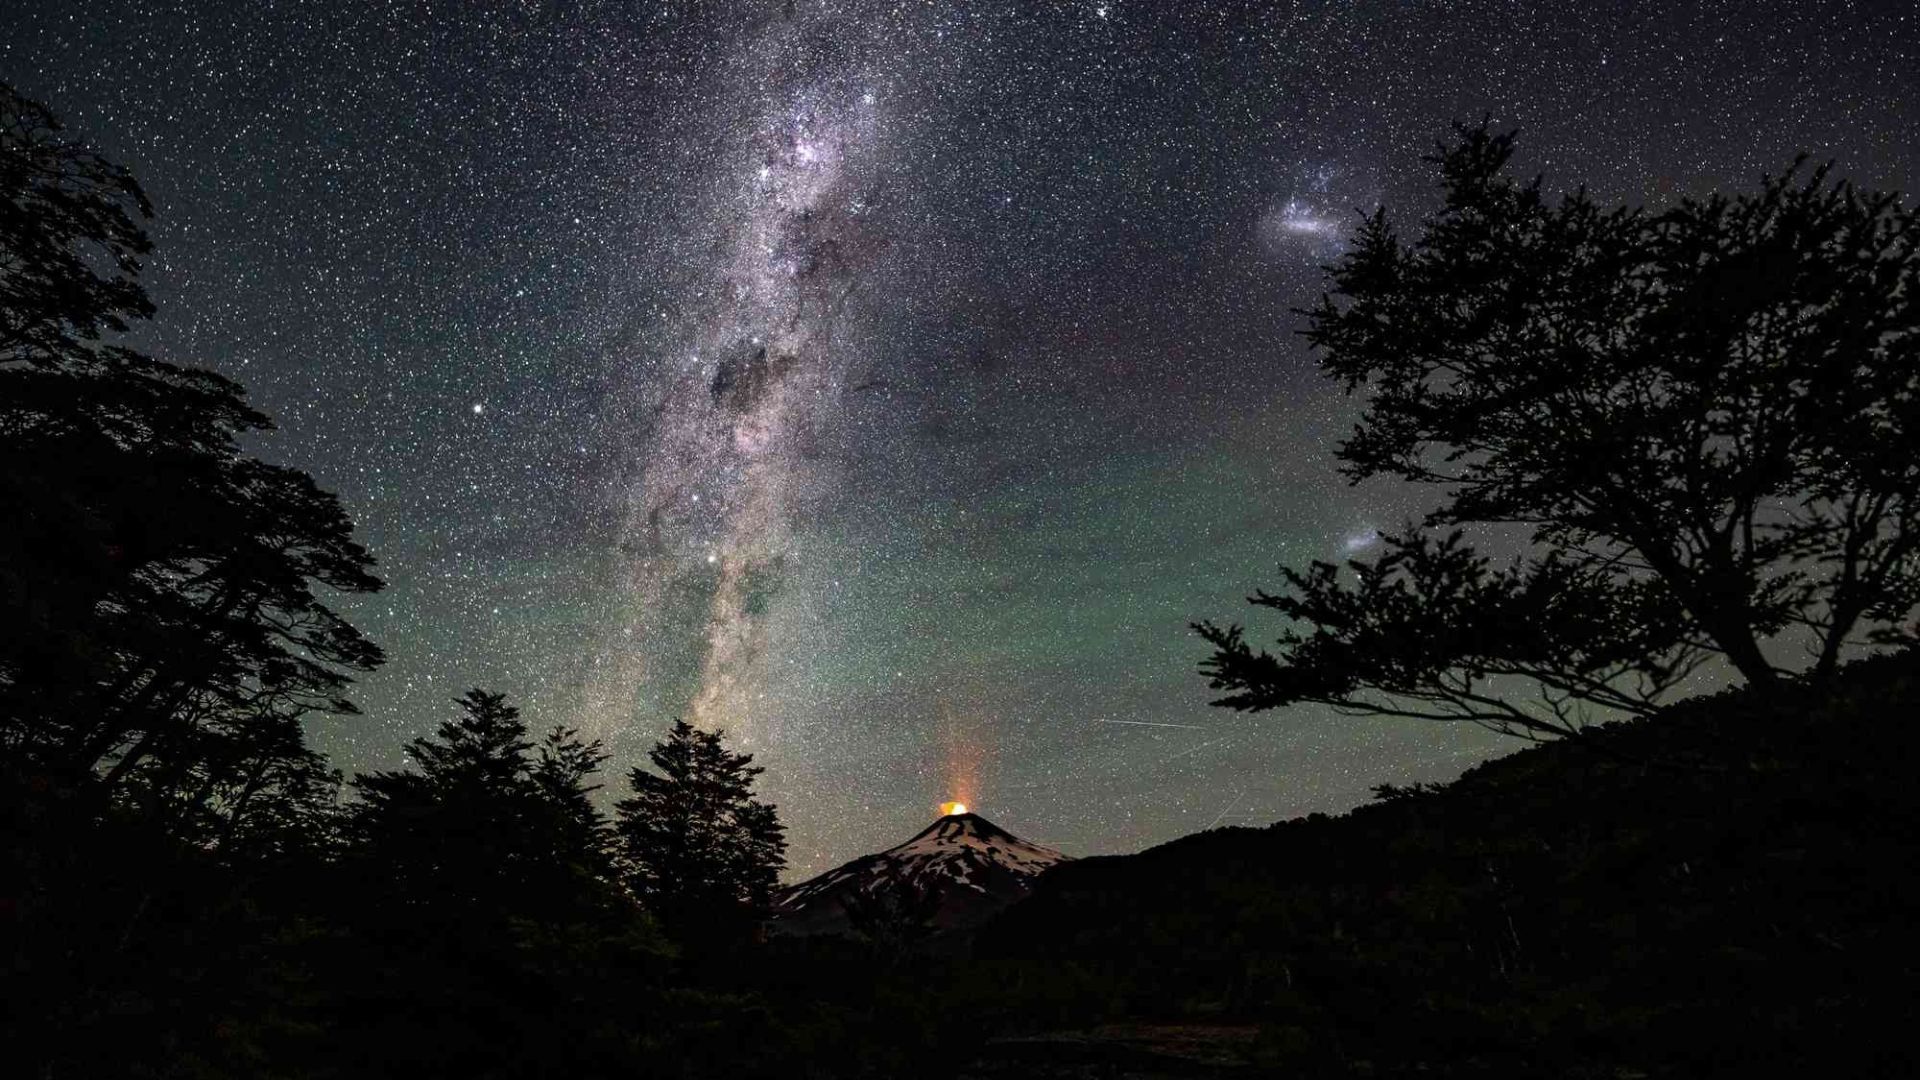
[(481, 820), (696, 844)]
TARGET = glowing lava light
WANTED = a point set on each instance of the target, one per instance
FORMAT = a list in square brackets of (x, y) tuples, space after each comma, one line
[(948, 809)]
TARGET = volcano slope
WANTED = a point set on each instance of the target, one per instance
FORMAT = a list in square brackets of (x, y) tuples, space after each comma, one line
[(953, 874)]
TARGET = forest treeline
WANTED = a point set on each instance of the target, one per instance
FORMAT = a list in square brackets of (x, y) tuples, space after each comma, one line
[(188, 888), (1703, 422)]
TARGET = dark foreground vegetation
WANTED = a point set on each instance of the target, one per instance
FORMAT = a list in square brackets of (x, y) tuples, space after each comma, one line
[(1709, 421), (1725, 889)]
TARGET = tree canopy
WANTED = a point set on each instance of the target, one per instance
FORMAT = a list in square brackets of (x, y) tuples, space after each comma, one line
[(1706, 418), (164, 597), (485, 811), (693, 837)]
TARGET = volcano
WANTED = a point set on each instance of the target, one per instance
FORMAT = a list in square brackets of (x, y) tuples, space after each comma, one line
[(954, 873)]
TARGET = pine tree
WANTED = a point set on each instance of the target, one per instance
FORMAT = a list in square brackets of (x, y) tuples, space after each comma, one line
[(485, 930), (579, 833), (695, 842), (483, 822)]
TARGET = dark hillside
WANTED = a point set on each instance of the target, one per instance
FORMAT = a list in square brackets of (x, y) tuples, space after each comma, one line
[(1729, 887)]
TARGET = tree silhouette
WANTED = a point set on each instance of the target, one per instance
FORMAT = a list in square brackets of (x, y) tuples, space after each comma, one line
[(160, 592), (252, 792), (697, 845), (485, 929), (896, 917), (483, 822), (1707, 417), (72, 234)]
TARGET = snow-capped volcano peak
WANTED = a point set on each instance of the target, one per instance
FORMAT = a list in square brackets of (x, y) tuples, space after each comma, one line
[(956, 871), (954, 834)]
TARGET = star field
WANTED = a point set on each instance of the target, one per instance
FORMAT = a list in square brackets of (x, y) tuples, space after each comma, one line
[(889, 383)]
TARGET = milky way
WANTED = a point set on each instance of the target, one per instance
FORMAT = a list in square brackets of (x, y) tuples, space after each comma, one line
[(889, 383), (736, 384)]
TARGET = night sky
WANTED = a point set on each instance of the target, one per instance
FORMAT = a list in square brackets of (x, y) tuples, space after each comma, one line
[(887, 383)]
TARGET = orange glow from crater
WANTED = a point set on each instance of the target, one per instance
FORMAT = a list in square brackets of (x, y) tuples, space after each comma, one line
[(961, 755)]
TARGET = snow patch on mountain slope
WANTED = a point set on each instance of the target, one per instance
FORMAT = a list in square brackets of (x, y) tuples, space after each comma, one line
[(962, 868)]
